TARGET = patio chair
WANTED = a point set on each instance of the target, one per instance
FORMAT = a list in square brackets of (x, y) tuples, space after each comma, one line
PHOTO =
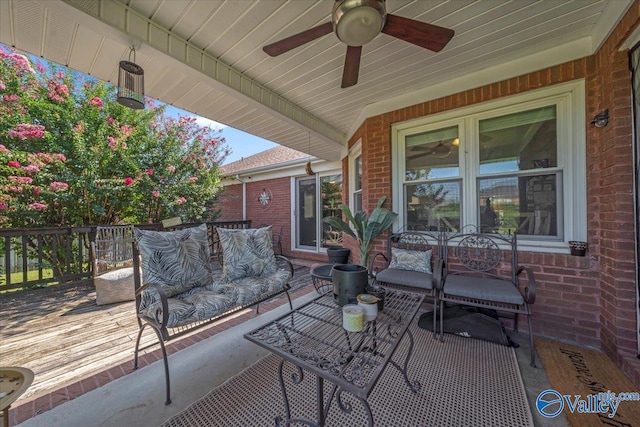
[(413, 261), (484, 272)]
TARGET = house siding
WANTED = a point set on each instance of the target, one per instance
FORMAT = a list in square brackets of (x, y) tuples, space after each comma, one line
[(610, 188), (586, 300), (592, 300), (231, 203), (277, 213)]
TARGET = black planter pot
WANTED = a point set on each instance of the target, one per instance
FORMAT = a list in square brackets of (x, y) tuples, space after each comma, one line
[(338, 255), (349, 280)]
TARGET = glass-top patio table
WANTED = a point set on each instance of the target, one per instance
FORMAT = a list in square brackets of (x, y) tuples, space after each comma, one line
[(313, 339)]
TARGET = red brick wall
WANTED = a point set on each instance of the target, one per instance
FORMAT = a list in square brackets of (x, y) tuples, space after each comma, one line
[(610, 189), (277, 212), (231, 203), (589, 300)]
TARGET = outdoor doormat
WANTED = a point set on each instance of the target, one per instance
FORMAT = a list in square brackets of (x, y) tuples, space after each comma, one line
[(463, 383), (582, 382), (469, 322)]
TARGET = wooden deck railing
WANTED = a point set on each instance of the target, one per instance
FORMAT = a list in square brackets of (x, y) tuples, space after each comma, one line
[(44, 256)]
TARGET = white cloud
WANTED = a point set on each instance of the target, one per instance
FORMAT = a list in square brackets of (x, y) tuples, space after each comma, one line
[(205, 122)]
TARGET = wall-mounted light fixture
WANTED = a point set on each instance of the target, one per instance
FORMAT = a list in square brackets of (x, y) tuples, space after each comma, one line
[(131, 83), (601, 119)]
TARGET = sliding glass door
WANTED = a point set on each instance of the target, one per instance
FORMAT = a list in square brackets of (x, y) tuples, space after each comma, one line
[(317, 197), (306, 213)]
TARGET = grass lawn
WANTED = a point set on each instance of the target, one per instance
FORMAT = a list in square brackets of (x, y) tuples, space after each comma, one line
[(32, 275)]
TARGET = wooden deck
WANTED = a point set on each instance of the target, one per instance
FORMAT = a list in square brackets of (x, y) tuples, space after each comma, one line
[(64, 337)]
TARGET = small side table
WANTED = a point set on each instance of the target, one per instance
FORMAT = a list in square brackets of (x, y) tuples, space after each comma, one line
[(321, 276), (13, 382)]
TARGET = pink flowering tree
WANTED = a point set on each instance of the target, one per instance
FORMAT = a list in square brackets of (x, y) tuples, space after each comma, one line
[(71, 155)]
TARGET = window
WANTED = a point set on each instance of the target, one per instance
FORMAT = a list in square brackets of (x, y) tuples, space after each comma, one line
[(432, 186), (355, 168), (514, 165)]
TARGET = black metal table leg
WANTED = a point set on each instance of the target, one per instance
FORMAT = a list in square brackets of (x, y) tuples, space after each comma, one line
[(414, 386)]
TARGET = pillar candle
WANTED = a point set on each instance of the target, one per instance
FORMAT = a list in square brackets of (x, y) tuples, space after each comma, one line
[(352, 318)]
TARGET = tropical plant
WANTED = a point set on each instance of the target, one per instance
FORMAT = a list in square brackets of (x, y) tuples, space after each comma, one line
[(364, 228)]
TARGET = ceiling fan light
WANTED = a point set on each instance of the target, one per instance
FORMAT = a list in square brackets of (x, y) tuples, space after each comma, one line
[(358, 26)]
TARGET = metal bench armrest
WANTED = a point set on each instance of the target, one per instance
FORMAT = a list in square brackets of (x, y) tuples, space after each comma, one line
[(530, 290), (285, 261), (163, 301), (373, 272)]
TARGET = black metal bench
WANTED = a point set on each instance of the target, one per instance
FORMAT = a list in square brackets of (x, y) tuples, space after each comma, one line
[(192, 306)]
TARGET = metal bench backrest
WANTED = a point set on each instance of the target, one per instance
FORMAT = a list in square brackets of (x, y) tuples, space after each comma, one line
[(415, 241), (481, 254)]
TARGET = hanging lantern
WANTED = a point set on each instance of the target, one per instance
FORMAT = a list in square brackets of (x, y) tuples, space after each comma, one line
[(131, 83)]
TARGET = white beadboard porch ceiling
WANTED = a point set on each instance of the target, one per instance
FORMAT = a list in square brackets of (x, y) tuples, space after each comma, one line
[(205, 56)]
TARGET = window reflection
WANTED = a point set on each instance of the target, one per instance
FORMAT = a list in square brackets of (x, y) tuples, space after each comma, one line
[(432, 155), (331, 193), (527, 205), (433, 206), (519, 141)]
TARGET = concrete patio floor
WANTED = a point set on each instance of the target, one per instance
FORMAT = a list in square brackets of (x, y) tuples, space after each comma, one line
[(137, 398)]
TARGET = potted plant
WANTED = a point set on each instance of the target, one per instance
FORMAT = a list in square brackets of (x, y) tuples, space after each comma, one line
[(338, 255), (362, 228)]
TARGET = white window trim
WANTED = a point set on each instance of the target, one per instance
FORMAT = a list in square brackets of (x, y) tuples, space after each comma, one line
[(354, 152), (329, 169), (571, 157), (321, 175)]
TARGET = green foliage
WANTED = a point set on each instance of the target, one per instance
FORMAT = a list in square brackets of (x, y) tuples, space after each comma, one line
[(430, 195), (362, 228), (71, 155)]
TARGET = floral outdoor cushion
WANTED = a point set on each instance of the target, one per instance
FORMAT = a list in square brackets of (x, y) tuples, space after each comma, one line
[(247, 253), (176, 260), (404, 259)]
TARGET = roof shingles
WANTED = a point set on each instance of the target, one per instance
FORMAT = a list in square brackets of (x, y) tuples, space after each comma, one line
[(270, 157)]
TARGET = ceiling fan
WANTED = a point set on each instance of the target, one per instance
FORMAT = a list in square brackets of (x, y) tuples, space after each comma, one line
[(356, 23)]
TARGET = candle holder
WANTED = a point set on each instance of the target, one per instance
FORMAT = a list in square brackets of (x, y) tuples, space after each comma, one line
[(378, 292), (578, 248), (370, 305)]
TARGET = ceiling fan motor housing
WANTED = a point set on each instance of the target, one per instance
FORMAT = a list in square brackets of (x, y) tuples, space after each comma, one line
[(357, 22)]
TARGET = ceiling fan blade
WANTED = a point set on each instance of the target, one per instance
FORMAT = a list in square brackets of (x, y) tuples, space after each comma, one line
[(296, 40), (421, 34), (351, 66)]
